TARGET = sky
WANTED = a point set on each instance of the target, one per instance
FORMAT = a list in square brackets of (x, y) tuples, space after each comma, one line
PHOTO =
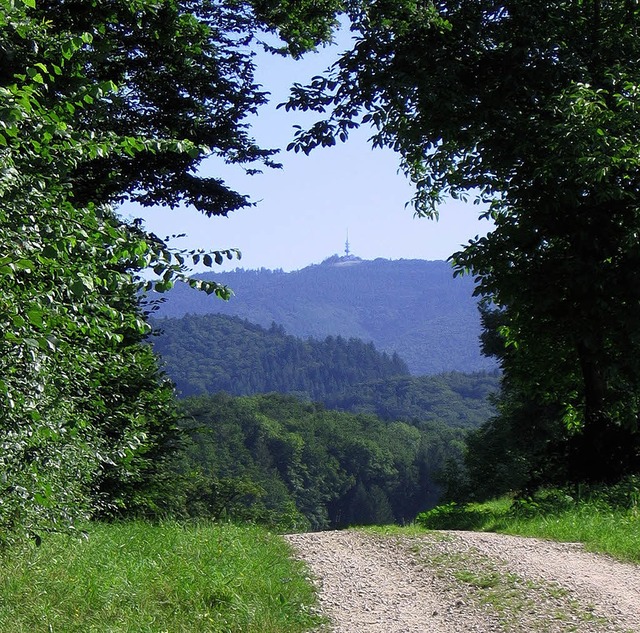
[(305, 210)]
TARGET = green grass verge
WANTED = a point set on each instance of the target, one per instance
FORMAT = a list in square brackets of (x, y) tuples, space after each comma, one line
[(605, 520), (141, 578)]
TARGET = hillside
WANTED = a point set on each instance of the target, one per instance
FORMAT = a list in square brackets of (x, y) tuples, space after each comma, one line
[(297, 465), (209, 353), (455, 399), (414, 308)]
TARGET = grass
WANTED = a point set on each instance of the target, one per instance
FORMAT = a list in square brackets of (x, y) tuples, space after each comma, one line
[(136, 577), (173, 578), (593, 518), (614, 532)]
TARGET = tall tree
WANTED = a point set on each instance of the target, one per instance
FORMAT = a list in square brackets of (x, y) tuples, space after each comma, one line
[(184, 73), (102, 101), (531, 107)]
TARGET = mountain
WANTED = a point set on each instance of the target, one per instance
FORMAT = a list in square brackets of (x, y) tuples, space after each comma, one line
[(208, 353), (212, 353), (414, 308)]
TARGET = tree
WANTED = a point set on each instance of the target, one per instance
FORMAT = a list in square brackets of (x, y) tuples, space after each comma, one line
[(184, 74), (102, 101), (80, 394), (531, 107)]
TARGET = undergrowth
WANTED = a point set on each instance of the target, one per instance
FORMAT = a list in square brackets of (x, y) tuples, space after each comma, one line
[(142, 578), (605, 518)]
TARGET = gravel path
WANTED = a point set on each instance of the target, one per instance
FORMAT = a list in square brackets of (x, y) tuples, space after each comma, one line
[(467, 582)]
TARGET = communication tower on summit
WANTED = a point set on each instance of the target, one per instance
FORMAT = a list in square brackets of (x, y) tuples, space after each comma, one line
[(348, 259)]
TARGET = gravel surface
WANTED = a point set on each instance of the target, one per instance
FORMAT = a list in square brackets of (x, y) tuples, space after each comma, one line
[(467, 582)]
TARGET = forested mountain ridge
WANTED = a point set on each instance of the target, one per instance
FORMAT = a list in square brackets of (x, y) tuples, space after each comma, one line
[(350, 438), (211, 353), (208, 353), (412, 307)]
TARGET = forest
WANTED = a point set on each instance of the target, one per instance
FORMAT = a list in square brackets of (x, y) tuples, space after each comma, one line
[(209, 353), (357, 440), (297, 466), (432, 322), (528, 108)]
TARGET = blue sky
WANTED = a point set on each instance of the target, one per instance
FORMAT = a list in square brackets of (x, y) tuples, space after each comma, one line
[(305, 209)]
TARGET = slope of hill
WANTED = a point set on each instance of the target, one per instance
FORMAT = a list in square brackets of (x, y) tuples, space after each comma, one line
[(412, 307), (208, 353), (455, 399), (313, 467)]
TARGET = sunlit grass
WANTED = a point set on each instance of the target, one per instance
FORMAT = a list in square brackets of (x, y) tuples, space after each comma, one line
[(602, 526), (140, 578), (614, 532)]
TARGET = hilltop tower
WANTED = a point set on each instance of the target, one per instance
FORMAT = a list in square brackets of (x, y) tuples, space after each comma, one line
[(343, 260)]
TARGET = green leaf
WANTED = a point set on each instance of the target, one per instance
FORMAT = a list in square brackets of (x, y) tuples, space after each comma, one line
[(78, 288), (35, 316), (25, 265)]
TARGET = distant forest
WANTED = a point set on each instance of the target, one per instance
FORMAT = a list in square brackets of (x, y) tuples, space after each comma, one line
[(413, 308), (207, 354), (210, 353), (313, 434)]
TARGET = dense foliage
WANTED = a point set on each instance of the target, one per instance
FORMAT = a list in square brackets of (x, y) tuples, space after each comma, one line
[(296, 465), (455, 399), (420, 312), (83, 403), (532, 107), (211, 353), (103, 101)]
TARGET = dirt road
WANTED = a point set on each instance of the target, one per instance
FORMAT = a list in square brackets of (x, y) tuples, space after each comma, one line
[(464, 582)]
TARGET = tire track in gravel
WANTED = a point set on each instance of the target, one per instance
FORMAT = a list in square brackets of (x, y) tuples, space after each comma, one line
[(462, 582)]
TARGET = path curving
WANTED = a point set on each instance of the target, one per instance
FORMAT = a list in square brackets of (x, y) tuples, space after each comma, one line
[(467, 582)]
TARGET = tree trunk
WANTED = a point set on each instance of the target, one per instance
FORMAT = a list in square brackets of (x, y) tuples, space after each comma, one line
[(603, 451)]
